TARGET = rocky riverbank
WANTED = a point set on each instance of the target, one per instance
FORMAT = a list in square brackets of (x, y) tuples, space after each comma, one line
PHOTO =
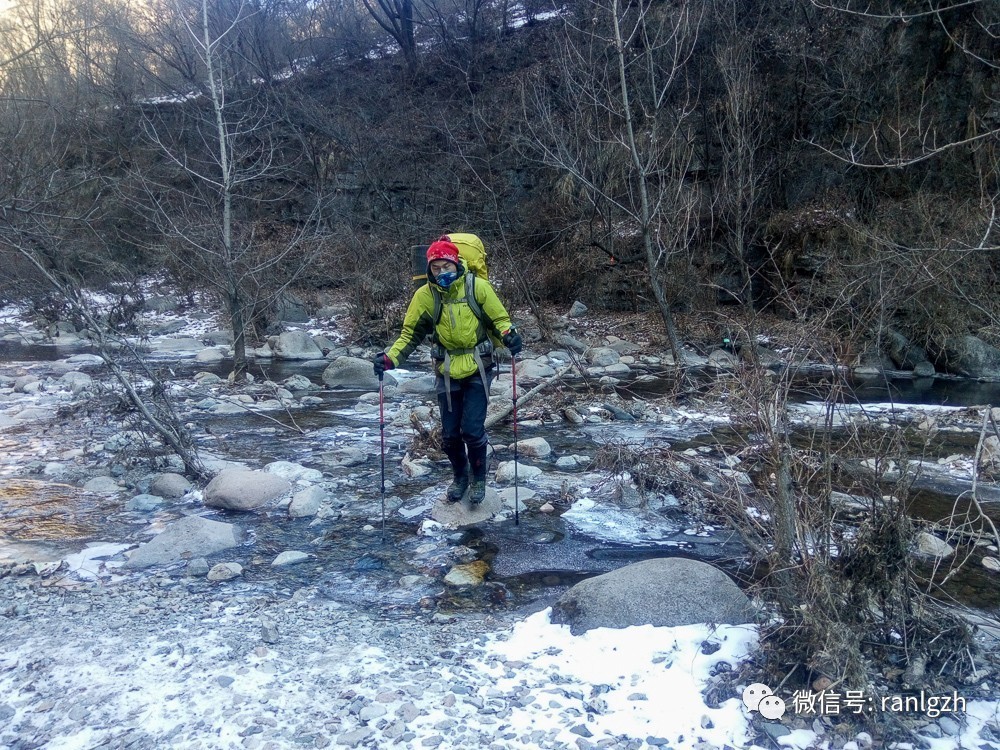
[(307, 630)]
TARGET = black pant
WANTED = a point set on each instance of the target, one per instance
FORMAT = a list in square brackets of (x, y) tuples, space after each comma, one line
[(463, 426)]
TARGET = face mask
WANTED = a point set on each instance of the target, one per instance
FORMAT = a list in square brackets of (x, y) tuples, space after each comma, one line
[(446, 279)]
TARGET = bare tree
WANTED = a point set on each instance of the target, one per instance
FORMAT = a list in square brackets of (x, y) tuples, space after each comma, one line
[(741, 124), (51, 201), (397, 18), (620, 124), (220, 163)]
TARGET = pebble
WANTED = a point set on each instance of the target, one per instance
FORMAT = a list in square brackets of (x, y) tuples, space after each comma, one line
[(374, 711)]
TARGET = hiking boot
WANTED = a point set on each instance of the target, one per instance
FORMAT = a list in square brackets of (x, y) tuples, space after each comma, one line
[(478, 492), (456, 490)]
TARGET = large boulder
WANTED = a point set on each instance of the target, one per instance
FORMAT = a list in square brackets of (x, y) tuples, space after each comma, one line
[(969, 356), (296, 345), (354, 373), (306, 502), (188, 538), (906, 355), (244, 489), (170, 485), (664, 592)]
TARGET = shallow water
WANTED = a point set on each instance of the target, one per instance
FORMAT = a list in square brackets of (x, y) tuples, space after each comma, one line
[(357, 567)]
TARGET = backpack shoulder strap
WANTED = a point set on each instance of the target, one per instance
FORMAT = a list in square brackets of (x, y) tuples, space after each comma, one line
[(438, 307), (470, 297)]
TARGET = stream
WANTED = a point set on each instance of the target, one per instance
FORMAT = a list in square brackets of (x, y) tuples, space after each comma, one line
[(529, 562)]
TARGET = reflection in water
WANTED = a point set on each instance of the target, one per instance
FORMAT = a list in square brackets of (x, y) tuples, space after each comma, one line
[(33, 511)]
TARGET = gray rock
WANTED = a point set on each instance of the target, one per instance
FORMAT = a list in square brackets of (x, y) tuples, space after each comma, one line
[(374, 711), (622, 346), (167, 327), (969, 356), (218, 338), (924, 370), (35, 414), (144, 503), (534, 447), (299, 383), (296, 345), (524, 494), (102, 485), (210, 355), (77, 382), (904, 354), (325, 344), (618, 370), (578, 310), (573, 462), (189, 537), (349, 455), (505, 472), (602, 356), (85, 360), (355, 737), (162, 304), (225, 571), (228, 407), (661, 592), (197, 568), (243, 489), (354, 373), (990, 458), (949, 726), (460, 514), (24, 384), (722, 359), (170, 485), (187, 346), (293, 472), (290, 557), (533, 369), (306, 503), (930, 546), (574, 344)]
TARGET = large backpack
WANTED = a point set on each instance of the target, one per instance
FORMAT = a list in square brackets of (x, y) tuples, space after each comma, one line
[(472, 253)]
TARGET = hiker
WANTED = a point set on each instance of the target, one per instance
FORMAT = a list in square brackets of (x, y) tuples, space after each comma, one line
[(463, 345)]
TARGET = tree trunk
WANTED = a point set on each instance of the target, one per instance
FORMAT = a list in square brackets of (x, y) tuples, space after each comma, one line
[(646, 212), (239, 338)]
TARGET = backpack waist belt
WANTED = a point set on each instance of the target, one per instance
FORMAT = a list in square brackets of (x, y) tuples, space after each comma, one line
[(482, 348)]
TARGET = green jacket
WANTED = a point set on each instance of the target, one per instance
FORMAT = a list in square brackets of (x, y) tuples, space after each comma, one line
[(458, 328)]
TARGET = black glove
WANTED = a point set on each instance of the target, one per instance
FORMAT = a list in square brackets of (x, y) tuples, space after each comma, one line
[(382, 363), (512, 340)]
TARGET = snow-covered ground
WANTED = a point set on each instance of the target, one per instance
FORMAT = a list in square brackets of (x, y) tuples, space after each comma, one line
[(155, 674)]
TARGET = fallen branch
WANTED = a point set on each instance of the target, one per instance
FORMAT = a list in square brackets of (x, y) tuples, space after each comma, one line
[(527, 396)]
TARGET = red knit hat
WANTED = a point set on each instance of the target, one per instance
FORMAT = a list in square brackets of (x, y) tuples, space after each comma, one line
[(443, 249)]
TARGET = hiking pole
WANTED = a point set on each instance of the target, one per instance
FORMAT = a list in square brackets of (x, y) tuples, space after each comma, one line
[(381, 434), (513, 381)]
